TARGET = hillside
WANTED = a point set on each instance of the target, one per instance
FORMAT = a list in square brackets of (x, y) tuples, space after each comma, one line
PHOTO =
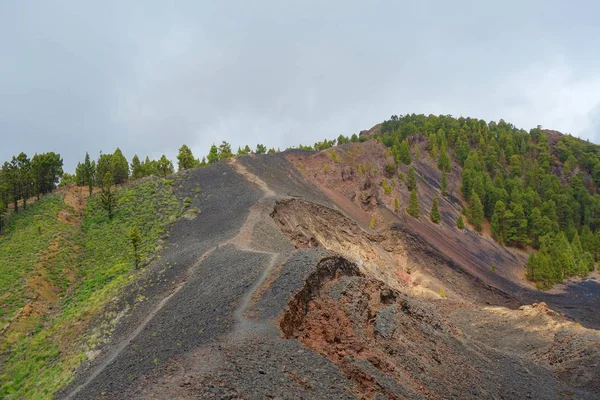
[(62, 264), (298, 274)]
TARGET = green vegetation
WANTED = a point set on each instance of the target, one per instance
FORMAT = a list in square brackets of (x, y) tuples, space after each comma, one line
[(225, 150), (387, 188), (435, 212), (90, 265), (529, 185), (22, 178), (23, 245), (460, 223), (334, 156), (558, 259), (444, 160), (417, 151), (402, 152), (476, 216), (411, 182), (185, 158), (444, 185), (108, 198), (414, 210), (536, 188), (390, 169)]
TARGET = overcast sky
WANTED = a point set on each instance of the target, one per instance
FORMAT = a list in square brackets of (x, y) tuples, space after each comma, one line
[(149, 76)]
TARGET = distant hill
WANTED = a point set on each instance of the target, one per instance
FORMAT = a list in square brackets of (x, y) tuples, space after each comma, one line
[(420, 259)]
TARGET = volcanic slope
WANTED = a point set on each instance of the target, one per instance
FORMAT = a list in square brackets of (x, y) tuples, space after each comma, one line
[(270, 290), (352, 175)]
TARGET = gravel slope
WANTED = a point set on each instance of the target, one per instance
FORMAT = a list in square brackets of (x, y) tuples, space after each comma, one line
[(210, 267), (228, 302)]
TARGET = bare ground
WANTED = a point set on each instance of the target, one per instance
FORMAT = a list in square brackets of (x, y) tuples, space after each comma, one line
[(280, 290)]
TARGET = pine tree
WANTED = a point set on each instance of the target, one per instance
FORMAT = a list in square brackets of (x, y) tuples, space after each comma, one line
[(564, 256), (435, 212), (213, 154), (460, 223), (510, 227), (537, 227), (103, 165), (498, 228), (444, 161), (411, 183), (444, 184), (396, 205), (46, 171), (149, 167), (89, 171), (532, 265), (404, 153), (225, 150), (186, 158), (434, 151), (80, 175), (417, 151), (545, 271), (587, 239), (476, 215), (25, 188), (119, 167), (108, 199), (519, 227), (12, 182), (260, 149), (462, 149), (576, 246), (164, 166), (515, 166), (414, 210), (244, 151), (136, 168)]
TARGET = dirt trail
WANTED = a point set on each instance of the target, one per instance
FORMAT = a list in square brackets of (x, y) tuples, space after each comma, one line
[(121, 346), (254, 264), (242, 241)]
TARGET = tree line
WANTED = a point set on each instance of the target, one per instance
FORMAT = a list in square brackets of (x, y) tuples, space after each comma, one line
[(23, 177), (531, 191)]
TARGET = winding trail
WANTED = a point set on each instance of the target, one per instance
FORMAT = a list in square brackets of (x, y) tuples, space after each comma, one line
[(242, 241)]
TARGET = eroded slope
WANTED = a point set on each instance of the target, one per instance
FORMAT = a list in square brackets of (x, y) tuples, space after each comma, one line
[(272, 292)]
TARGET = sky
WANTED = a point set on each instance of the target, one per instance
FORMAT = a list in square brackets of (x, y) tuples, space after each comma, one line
[(149, 76)]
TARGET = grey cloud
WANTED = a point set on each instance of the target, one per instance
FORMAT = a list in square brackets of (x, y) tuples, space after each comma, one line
[(150, 76)]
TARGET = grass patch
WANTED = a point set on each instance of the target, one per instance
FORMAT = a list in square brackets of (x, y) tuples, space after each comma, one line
[(41, 362), (27, 236)]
